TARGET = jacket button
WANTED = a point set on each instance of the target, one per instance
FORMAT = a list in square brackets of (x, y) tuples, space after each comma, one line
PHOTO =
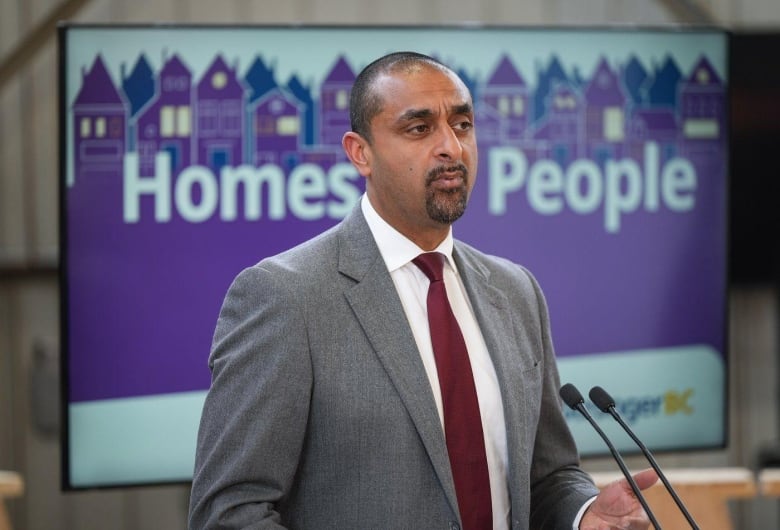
[(454, 525)]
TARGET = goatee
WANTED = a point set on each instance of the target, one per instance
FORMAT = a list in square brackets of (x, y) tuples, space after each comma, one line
[(446, 206)]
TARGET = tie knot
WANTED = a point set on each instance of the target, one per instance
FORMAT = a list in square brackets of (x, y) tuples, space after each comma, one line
[(432, 264)]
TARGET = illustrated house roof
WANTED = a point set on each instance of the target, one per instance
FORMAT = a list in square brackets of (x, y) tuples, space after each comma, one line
[(97, 86), (554, 72), (663, 86), (175, 66), (548, 79), (635, 78), (278, 102), (260, 79), (149, 114), (340, 73), (604, 87), (303, 94), (505, 74), (225, 84), (139, 85), (704, 74), (299, 90), (333, 109)]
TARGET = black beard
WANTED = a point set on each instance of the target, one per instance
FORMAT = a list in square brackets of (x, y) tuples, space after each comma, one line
[(446, 207)]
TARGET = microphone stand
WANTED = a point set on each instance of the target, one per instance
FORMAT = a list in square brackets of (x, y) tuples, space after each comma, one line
[(574, 399), (605, 403)]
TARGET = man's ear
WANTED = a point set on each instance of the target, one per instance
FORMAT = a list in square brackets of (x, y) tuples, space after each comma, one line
[(358, 151)]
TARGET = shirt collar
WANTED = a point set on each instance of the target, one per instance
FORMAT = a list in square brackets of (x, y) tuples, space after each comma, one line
[(396, 249)]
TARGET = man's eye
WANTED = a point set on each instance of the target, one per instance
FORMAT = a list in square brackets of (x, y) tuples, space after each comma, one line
[(417, 129), (463, 125)]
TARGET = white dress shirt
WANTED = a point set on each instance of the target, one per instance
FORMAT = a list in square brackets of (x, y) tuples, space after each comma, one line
[(412, 285)]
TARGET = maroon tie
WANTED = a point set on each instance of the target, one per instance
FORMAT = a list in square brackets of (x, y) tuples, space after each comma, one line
[(462, 423)]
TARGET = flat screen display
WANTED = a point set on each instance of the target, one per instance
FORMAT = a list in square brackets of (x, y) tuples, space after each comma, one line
[(190, 153)]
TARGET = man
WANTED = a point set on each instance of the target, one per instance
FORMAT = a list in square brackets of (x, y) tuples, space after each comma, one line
[(326, 407)]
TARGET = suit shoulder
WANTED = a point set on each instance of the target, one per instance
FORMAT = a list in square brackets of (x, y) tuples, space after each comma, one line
[(499, 269), (320, 256), (305, 258)]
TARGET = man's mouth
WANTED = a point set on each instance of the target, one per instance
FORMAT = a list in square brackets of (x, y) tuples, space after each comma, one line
[(448, 178), (448, 181)]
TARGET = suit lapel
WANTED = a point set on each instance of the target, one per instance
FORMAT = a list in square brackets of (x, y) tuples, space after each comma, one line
[(378, 308), (493, 313)]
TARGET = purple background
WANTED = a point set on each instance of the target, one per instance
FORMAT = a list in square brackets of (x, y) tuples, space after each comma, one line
[(143, 298)]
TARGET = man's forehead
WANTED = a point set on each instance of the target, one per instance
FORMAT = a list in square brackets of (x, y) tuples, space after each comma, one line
[(420, 70), (425, 82)]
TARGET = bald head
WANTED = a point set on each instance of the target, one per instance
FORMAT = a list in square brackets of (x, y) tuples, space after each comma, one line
[(365, 100)]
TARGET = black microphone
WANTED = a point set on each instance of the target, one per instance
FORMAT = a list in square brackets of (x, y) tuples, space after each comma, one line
[(572, 397), (605, 403)]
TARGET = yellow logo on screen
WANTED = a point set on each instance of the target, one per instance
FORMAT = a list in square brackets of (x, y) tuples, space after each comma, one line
[(677, 402)]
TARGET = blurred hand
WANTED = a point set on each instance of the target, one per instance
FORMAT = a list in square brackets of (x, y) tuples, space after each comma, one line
[(617, 508)]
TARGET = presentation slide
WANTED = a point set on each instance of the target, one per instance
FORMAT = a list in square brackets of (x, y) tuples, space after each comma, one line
[(190, 153)]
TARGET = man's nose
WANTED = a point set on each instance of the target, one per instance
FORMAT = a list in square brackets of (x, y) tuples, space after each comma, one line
[(448, 146)]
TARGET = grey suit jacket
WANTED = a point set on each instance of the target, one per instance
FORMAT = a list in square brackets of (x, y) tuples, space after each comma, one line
[(320, 415)]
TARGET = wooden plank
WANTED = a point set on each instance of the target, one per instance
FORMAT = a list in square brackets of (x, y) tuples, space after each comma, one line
[(769, 482), (11, 485)]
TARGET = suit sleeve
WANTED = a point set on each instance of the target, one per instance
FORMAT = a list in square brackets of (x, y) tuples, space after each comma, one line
[(254, 417), (559, 488)]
